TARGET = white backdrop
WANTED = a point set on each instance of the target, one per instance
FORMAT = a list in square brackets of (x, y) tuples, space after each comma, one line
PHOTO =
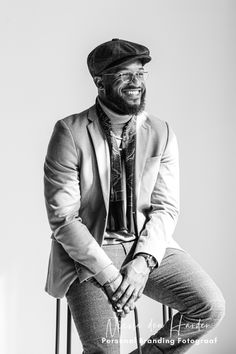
[(44, 46)]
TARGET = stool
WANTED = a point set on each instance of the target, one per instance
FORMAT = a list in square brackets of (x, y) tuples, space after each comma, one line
[(68, 330), (68, 335)]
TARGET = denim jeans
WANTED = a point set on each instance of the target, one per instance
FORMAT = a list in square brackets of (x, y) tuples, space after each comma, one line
[(178, 282)]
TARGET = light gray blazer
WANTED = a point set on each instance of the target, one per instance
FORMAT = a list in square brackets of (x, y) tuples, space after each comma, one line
[(77, 185)]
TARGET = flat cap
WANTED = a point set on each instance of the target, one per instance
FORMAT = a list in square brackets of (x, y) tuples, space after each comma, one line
[(115, 52)]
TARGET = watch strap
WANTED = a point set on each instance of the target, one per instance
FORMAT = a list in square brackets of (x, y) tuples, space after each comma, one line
[(150, 260)]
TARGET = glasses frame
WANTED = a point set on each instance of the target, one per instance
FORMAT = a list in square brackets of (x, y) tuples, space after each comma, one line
[(131, 75)]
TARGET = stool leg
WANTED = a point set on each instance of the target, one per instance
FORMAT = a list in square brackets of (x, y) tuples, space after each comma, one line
[(164, 313), (170, 313), (68, 344), (57, 343), (137, 330)]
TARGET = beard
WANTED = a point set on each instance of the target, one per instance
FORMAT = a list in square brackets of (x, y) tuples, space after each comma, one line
[(119, 105)]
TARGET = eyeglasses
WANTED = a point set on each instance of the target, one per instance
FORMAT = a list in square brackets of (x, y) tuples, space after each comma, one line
[(129, 76)]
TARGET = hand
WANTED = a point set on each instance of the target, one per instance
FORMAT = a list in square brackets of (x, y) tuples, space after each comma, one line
[(110, 288), (135, 275)]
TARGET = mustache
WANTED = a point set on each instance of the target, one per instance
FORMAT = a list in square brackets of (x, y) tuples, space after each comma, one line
[(134, 87)]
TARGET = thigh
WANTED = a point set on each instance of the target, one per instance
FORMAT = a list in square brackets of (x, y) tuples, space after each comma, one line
[(181, 283), (94, 317), (92, 312)]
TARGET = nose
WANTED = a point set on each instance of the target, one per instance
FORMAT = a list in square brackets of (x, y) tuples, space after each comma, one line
[(134, 78)]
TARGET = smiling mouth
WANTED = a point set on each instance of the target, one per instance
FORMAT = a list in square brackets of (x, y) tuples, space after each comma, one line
[(132, 93)]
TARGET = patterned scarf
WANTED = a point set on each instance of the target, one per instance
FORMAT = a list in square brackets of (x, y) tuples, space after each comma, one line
[(117, 220)]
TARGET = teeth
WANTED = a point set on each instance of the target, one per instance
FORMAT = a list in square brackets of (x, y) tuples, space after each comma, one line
[(133, 92)]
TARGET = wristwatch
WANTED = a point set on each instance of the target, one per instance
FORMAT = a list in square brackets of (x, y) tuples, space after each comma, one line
[(150, 260)]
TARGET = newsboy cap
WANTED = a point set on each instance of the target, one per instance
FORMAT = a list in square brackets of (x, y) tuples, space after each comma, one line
[(115, 52)]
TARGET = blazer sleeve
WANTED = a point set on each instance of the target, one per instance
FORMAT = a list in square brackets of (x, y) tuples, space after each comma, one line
[(163, 213), (63, 200)]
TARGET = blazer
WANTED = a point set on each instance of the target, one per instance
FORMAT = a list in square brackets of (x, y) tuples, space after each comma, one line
[(77, 186)]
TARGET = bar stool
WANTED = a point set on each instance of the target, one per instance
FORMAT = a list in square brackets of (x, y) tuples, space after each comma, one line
[(68, 330), (166, 312)]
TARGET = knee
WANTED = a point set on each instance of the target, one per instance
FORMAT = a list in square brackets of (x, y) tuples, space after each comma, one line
[(217, 311), (212, 308)]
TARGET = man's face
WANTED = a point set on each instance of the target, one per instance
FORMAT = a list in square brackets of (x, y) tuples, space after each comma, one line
[(122, 93)]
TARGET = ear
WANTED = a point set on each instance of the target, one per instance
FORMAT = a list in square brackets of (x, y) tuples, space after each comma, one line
[(98, 82)]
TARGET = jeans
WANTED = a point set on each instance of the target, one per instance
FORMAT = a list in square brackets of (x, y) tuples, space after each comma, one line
[(179, 282)]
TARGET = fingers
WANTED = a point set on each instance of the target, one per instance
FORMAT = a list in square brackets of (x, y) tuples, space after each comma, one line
[(120, 291), (127, 301), (130, 303), (129, 290), (140, 292), (120, 312)]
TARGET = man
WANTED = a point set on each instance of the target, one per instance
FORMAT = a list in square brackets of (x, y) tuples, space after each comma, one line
[(111, 189)]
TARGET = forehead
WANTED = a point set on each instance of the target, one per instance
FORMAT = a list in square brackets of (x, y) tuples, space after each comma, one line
[(133, 66)]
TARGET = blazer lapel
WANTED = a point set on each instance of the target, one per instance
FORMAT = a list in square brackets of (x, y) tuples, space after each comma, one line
[(142, 141), (102, 154)]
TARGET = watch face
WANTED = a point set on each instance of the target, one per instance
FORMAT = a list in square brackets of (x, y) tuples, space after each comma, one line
[(150, 262)]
